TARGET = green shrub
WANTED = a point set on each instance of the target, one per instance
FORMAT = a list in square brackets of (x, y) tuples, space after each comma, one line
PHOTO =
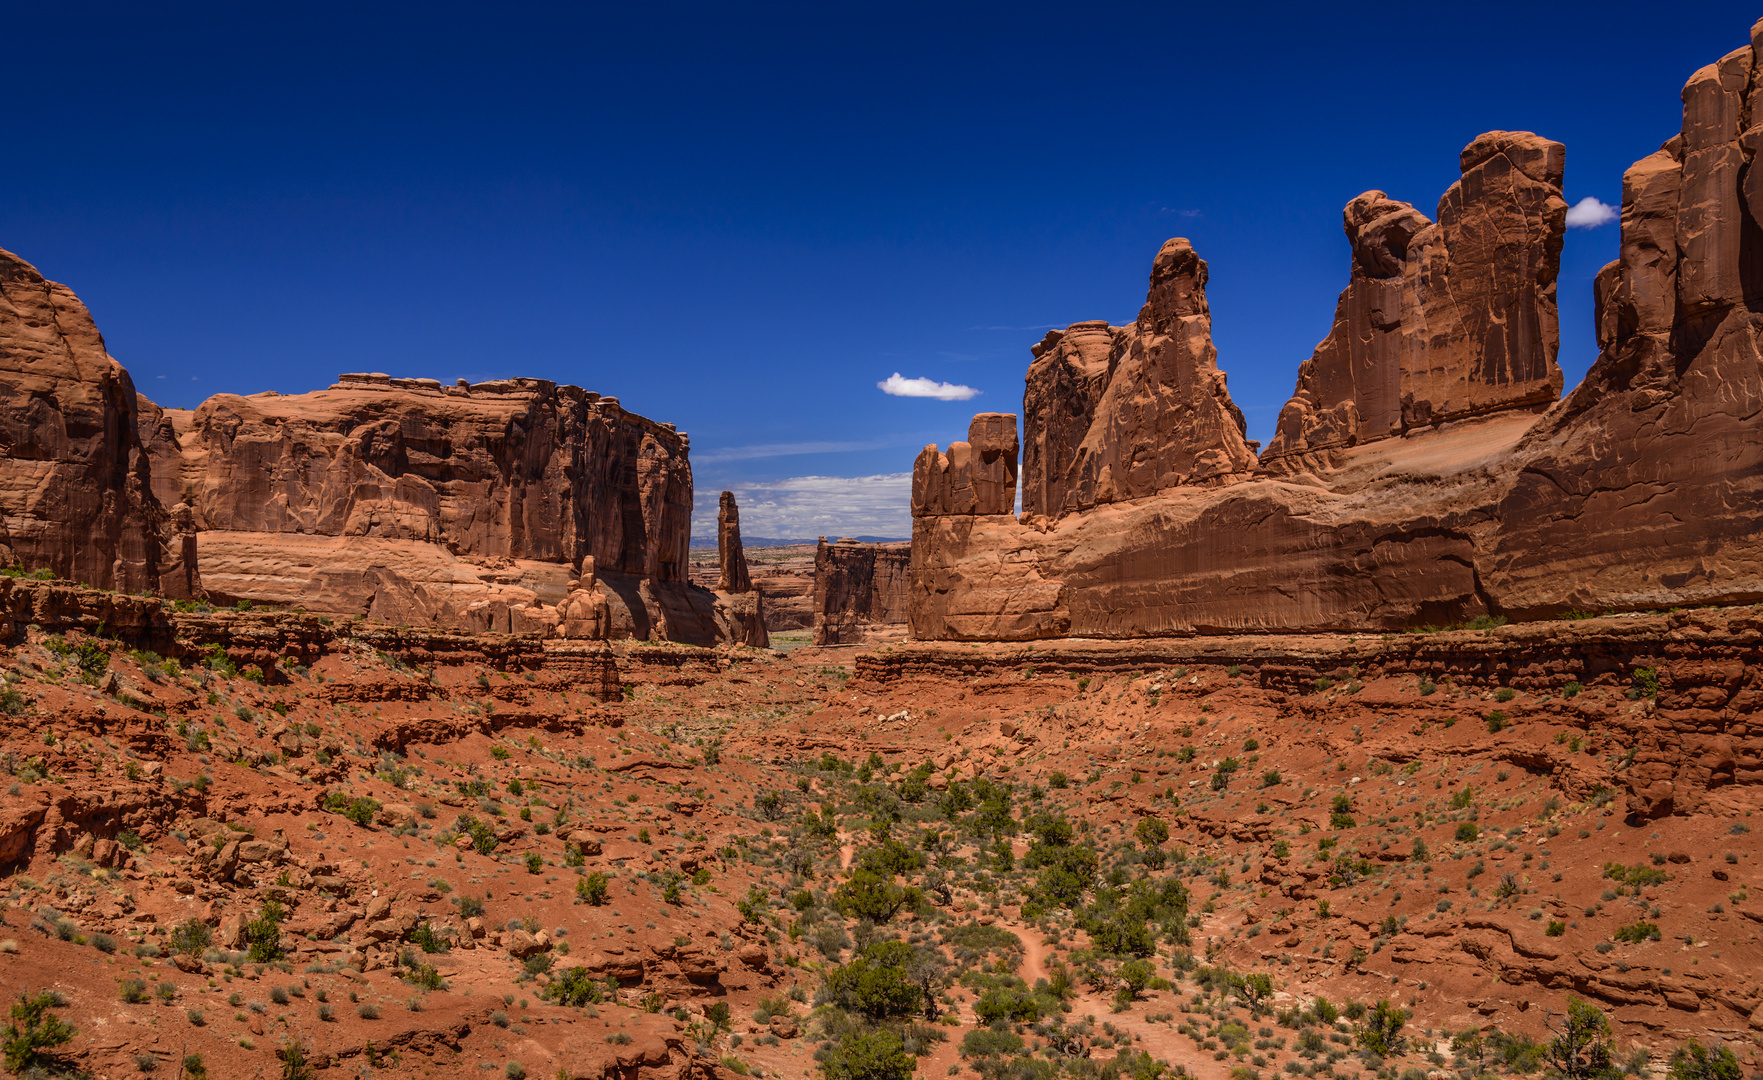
[(1693, 1061), (878, 1055), (1637, 932), (592, 888), (1381, 1030), (29, 1041), (876, 983), (1467, 832), (573, 987), (189, 938), (263, 935)]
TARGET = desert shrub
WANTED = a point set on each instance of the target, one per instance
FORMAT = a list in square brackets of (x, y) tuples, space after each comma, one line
[(592, 888), (189, 938), (30, 1040)]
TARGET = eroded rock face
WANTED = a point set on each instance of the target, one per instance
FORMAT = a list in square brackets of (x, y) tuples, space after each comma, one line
[(733, 557), (975, 477), (1113, 413), (1444, 495), (1443, 321), (75, 482), (857, 587), (518, 468), (584, 614)]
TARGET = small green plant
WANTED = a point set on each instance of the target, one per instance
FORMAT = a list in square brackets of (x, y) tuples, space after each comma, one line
[(1381, 1030), (263, 935), (1467, 832), (1644, 683), (592, 888), (30, 1040)]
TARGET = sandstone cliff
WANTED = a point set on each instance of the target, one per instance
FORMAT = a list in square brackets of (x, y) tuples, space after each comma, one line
[(1115, 413), (858, 587), (1636, 491), (468, 506), (1439, 322), (518, 469), (731, 558), (75, 491)]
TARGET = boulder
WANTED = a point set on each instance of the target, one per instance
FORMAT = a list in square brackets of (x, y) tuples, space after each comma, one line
[(521, 944)]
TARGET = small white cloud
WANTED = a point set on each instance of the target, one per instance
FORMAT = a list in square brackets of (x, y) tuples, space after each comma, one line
[(899, 386), (1589, 213)]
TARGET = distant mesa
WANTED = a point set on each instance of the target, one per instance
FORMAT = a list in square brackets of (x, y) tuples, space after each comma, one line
[(468, 506)]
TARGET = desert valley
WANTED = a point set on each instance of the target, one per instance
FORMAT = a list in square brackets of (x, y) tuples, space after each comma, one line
[(396, 727)]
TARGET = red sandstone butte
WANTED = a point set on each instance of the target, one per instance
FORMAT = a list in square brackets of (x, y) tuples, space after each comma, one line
[(1444, 321), (1414, 480)]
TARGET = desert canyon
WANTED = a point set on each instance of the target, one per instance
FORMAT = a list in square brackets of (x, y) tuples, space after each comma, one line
[(395, 727)]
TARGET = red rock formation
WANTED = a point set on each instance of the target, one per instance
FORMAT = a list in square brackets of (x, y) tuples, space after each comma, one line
[(464, 506), (732, 559), (975, 477), (1439, 322), (858, 587), (518, 468), (584, 614), (1641, 489), (75, 489), (1636, 491), (1113, 413), (740, 609)]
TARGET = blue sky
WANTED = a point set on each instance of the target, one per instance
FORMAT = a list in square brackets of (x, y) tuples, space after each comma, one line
[(741, 219)]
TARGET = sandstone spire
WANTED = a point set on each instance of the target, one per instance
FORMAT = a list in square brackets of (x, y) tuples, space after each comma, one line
[(734, 577)]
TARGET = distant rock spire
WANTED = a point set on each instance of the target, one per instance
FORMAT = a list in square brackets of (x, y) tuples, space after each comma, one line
[(728, 546)]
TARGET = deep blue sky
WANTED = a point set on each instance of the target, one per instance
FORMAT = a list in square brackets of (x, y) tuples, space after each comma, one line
[(741, 220)]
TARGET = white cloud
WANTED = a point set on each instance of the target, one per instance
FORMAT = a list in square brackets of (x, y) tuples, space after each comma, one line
[(902, 387), (1589, 213), (770, 450), (804, 507)]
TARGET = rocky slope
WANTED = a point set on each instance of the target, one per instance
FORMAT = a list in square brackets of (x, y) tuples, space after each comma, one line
[(1413, 480), (452, 852)]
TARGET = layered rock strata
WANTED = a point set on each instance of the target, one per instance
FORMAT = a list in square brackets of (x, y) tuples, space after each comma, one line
[(1636, 491), (859, 587), (1112, 413), (471, 506), (76, 494), (1443, 321)]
